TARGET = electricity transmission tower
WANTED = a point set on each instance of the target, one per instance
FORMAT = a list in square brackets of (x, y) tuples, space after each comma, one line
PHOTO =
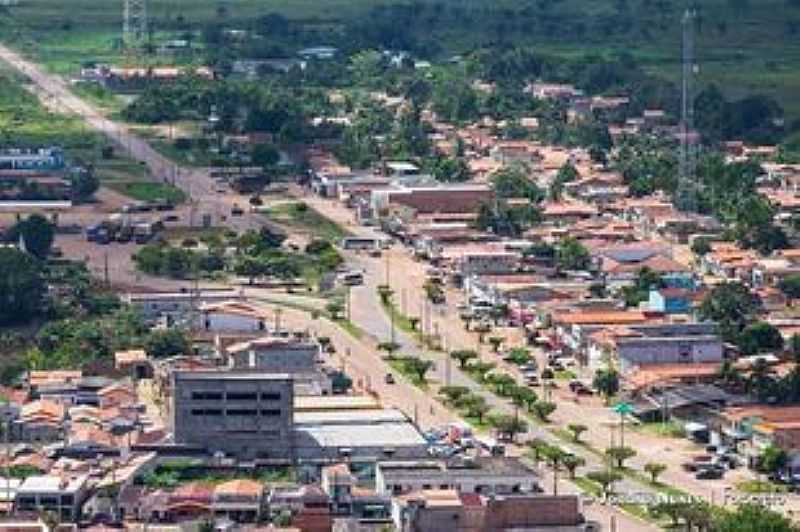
[(134, 22), (687, 172)]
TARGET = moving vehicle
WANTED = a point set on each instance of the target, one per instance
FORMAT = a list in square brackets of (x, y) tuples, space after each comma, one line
[(352, 278), (236, 210), (490, 445), (389, 378)]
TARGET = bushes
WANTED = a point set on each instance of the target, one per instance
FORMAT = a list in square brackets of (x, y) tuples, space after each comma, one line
[(176, 263)]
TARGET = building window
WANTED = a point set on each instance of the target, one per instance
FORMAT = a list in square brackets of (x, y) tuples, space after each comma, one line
[(206, 396), (240, 396), (271, 396), (206, 412), (241, 412), (271, 412)]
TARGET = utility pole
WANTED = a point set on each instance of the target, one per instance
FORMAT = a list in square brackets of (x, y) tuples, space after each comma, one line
[(687, 185), (106, 275)]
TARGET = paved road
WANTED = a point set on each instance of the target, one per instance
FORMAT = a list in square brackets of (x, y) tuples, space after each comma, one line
[(195, 182)]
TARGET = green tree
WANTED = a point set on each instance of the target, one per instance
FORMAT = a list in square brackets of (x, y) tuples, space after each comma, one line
[(752, 518), (496, 342), (507, 426), (83, 185), (167, 343), (619, 454), (36, 233), (543, 410), (790, 286), (760, 337), (701, 246), (418, 367), (576, 429), (451, 170), (654, 469), (452, 394), (732, 306), (21, 287), (606, 381), (772, 459), (513, 181), (572, 462), (265, 155), (572, 255), (474, 406), (606, 479), (463, 356)]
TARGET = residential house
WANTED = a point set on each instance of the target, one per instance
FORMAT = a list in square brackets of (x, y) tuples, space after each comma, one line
[(308, 505), (134, 362), (233, 316), (39, 421), (729, 261), (63, 496), (413, 201), (567, 212), (117, 395), (572, 328), (620, 264), (673, 300), (240, 500)]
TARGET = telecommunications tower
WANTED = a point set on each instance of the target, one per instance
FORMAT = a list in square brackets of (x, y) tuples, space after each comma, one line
[(687, 172), (134, 22)]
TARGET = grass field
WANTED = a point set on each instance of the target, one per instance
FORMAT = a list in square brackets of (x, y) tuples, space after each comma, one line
[(301, 217), (148, 191), (744, 46)]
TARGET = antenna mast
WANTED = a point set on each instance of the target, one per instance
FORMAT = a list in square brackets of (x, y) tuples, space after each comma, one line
[(134, 22), (687, 186)]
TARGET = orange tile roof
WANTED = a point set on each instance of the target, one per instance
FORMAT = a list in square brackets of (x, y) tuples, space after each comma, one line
[(42, 409), (657, 373), (132, 356), (601, 317), (38, 378), (240, 487), (770, 414)]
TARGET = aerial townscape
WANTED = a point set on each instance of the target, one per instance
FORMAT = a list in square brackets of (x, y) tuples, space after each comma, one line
[(399, 265)]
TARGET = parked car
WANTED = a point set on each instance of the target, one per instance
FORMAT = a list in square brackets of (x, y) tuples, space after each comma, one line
[(709, 473), (579, 388)]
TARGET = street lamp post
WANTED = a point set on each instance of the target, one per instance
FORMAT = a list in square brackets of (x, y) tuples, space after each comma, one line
[(623, 409)]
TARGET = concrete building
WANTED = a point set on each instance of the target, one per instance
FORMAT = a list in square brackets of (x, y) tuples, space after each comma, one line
[(153, 305), (233, 316), (365, 436), (62, 496), (439, 510), (486, 476), (272, 354), (670, 343), (247, 414)]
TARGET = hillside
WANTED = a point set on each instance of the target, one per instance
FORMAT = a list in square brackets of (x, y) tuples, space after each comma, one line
[(743, 45)]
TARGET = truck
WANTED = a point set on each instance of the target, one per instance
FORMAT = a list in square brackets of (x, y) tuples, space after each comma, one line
[(142, 232)]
